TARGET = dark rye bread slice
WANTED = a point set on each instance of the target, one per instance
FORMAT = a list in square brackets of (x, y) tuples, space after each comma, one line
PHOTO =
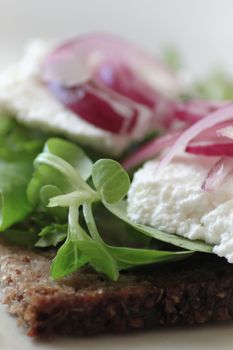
[(196, 290)]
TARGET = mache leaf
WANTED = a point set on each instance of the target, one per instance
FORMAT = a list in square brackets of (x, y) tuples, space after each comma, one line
[(137, 257), (110, 179), (72, 154), (67, 260), (99, 257), (126, 257), (62, 165)]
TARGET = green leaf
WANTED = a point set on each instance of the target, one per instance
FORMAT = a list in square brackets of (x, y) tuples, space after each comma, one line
[(79, 249), (46, 193), (18, 147), (46, 176), (7, 124), (67, 260), (110, 179), (99, 258), (116, 232), (64, 168), (17, 141), (52, 235), (120, 210), (60, 165), (125, 257), (14, 178), (72, 154), (130, 257)]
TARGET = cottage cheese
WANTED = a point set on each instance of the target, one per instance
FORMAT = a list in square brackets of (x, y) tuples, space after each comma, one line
[(23, 93), (172, 201)]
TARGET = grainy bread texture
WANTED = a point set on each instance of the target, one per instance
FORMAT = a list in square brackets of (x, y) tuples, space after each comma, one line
[(196, 290)]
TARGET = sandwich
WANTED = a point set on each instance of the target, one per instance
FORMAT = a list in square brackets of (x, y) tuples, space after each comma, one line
[(116, 195)]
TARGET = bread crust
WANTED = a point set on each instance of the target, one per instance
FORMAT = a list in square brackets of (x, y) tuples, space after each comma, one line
[(192, 291)]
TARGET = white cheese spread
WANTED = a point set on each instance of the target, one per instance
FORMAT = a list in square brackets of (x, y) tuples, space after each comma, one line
[(172, 201)]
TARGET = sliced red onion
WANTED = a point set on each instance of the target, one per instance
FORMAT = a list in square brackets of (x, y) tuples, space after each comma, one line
[(223, 114), (121, 79), (150, 150), (217, 174), (226, 131), (208, 142), (75, 61), (126, 83), (112, 115), (211, 149), (213, 133), (193, 111)]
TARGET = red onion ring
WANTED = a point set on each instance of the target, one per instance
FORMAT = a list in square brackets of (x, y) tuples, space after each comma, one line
[(211, 149), (226, 131), (192, 111), (217, 174), (150, 150), (209, 137), (223, 114)]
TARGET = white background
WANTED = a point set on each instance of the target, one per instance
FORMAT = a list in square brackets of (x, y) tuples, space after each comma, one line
[(201, 29)]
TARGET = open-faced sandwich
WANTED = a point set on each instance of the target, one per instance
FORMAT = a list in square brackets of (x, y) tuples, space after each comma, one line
[(116, 209)]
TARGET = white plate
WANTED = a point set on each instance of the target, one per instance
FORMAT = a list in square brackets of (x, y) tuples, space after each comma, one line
[(211, 337)]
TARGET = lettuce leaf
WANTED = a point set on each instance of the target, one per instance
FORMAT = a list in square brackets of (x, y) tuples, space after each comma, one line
[(14, 178), (18, 148)]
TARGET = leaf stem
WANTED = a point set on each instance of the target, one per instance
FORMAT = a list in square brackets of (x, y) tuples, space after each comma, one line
[(73, 198), (65, 168), (75, 231), (90, 221)]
